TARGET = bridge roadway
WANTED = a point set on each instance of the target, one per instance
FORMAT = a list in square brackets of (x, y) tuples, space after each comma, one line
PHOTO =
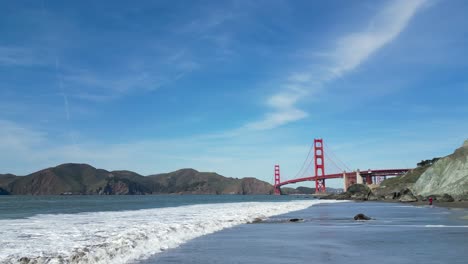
[(349, 175)]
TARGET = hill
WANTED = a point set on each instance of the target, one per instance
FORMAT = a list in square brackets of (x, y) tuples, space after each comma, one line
[(72, 178), (448, 175), (443, 179), (192, 181)]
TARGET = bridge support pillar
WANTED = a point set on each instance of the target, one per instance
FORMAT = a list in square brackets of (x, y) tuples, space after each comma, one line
[(345, 182), (319, 166), (359, 177), (276, 188), (369, 177)]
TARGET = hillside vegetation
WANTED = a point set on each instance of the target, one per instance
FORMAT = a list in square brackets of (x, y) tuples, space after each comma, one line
[(448, 175), (443, 179), (74, 178)]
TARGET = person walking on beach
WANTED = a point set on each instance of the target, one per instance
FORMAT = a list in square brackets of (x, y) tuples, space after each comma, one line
[(430, 200)]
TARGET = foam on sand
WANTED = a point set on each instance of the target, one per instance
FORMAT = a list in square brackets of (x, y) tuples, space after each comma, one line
[(123, 236), (446, 226)]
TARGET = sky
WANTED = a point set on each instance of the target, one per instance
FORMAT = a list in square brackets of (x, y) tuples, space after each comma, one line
[(233, 86)]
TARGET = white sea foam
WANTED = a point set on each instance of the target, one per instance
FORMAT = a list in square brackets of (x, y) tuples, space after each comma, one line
[(450, 226), (125, 236)]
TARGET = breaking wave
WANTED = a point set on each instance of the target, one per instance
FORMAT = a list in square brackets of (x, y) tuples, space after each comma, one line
[(124, 236)]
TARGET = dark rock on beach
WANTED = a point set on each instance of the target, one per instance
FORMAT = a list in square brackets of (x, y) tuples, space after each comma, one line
[(295, 220), (4, 192), (24, 260), (361, 217), (373, 197), (256, 221)]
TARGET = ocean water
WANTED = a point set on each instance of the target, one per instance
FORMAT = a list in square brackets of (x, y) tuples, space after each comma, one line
[(214, 229), (328, 234)]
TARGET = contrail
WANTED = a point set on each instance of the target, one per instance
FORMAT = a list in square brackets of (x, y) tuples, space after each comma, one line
[(65, 98), (65, 102), (60, 83)]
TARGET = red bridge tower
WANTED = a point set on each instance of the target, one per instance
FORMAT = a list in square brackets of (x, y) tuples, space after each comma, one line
[(319, 166), (277, 180)]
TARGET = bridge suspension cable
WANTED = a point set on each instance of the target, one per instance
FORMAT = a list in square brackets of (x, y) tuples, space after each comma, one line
[(303, 165), (330, 160), (329, 150), (324, 165)]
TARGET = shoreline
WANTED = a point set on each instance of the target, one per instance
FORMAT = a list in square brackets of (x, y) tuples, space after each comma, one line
[(450, 205), (456, 204)]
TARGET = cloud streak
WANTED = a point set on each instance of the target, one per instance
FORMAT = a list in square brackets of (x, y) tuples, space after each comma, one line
[(354, 49), (18, 56), (62, 90), (349, 53)]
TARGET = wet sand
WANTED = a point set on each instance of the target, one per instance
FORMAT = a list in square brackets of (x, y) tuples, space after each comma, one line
[(399, 233), (456, 204)]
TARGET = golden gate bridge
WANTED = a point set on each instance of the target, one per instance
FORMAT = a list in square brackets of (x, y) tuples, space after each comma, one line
[(319, 176)]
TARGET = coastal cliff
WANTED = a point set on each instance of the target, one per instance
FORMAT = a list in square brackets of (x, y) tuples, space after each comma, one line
[(444, 179), (447, 175), (83, 179)]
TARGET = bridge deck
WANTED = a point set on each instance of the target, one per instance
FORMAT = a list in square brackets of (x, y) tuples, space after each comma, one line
[(384, 172)]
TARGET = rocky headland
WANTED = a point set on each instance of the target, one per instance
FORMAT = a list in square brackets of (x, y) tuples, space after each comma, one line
[(445, 180)]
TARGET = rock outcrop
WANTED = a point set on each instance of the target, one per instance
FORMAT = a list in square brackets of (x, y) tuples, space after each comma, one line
[(393, 187), (445, 198), (361, 217), (359, 192), (448, 175), (4, 192), (408, 198), (355, 192), (445, 180)]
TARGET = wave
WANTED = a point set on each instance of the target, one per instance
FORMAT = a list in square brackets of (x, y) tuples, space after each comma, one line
[(125, 236), (449, 226)]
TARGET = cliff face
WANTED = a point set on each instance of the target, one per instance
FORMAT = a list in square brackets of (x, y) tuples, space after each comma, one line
[(85, 179), (448, 175), (254, 186), (445, 180), (397, 184)]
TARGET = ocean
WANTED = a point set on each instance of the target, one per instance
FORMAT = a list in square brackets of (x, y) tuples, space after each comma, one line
[(218, 229)]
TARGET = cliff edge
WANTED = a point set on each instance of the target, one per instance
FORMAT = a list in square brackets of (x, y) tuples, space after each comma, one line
[(448, 175)]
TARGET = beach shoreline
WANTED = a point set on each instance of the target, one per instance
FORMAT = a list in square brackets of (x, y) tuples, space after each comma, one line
[(455, 204)]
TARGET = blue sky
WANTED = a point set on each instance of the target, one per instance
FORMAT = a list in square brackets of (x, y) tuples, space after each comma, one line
[(230, 86)]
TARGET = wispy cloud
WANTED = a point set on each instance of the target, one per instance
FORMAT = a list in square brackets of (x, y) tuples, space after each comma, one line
[(19, 56), (24, 149), (160, 67), (18, 139), (62, 90), (284, 110), (354, 49), (205, 24), (350, 51), (107, 83)]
